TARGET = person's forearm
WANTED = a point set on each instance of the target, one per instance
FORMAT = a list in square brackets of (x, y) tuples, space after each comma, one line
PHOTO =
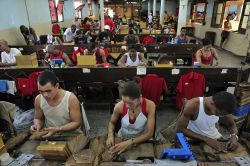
[(69, 126), (142, 138), (121, 64), (193, 135), (7, 64), (111, 128), (232, 127), (38, 122)]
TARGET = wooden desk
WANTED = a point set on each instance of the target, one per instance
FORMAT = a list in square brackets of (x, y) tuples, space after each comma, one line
[(120, 37)]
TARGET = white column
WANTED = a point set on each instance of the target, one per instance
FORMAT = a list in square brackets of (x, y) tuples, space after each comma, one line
[(149, 7), (95, 9), (85, 10), (102, 14), (162, 12), (154, 7), (182, 17)]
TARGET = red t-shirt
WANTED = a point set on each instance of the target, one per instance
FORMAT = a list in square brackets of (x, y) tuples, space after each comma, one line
[(51, 57), (24, 85), (74, 55), (56, 29), (152, 87), (110, 23), (33, 79), (189, 86)]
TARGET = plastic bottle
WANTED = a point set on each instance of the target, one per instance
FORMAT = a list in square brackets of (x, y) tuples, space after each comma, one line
[(172, 41), (176, 40)]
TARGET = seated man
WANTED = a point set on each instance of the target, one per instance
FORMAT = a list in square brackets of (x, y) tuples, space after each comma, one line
[(131, 38), (200, 115), (101, 53), (8, 54), (57, 111), (106, 36), (80, 38), (138, 119), (54, 53), (182, 38), (79, 51), (70, 33), (29, 35), (132, 58)]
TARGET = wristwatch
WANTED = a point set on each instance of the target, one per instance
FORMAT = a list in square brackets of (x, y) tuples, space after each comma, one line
[(234, 135)]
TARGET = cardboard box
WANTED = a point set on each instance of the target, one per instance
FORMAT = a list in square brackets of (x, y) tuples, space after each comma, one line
[(86, 60), (57, 150), (164, 65), (143, 24), (27, 61), (145, 31)]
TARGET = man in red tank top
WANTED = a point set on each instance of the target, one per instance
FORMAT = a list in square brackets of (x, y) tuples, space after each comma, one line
[(55, 53), (137, 119)]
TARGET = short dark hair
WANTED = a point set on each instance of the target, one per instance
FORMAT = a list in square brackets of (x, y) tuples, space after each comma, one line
[(131, 31), (183, 28), (206, 41), (131, 46), (22, 26), (225, 101), (47, 77), (132, 90)]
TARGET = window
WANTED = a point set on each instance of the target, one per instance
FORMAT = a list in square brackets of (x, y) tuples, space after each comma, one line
[(219, 8), (56, 11), (90, 7), (78, 8), (244, 17), (224, 10), (198, 11)]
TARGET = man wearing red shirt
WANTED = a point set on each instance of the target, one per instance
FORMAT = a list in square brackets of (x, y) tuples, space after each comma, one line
[(110, 23), (81, 51)]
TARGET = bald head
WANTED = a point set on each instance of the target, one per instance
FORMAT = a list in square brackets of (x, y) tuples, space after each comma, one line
[(4, 45), (4, 42), (73, 28), (52, 50)]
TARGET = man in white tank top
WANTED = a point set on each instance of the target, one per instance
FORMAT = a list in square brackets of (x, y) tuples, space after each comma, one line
[(199, 116), (132, 58), (56, 110)]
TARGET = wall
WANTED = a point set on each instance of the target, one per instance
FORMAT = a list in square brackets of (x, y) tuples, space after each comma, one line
[(170, 6), (236, 43), (37, 15)]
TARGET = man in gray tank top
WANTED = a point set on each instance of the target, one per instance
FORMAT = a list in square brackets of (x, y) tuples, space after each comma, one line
[(199, 116), (56, 110)]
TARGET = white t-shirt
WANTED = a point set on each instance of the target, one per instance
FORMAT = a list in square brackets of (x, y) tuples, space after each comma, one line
[(150, 18), (69, 35), (10, 57)]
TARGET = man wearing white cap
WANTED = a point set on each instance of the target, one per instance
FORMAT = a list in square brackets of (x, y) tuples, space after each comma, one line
[(106, 36)]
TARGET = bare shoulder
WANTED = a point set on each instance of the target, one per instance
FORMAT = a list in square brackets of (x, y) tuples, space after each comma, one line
[(38, 99), (150, 105), (73, 98), (118, 107), (192, 106)]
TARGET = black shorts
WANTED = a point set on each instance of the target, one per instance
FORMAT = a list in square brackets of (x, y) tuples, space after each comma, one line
[(224, 35)]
